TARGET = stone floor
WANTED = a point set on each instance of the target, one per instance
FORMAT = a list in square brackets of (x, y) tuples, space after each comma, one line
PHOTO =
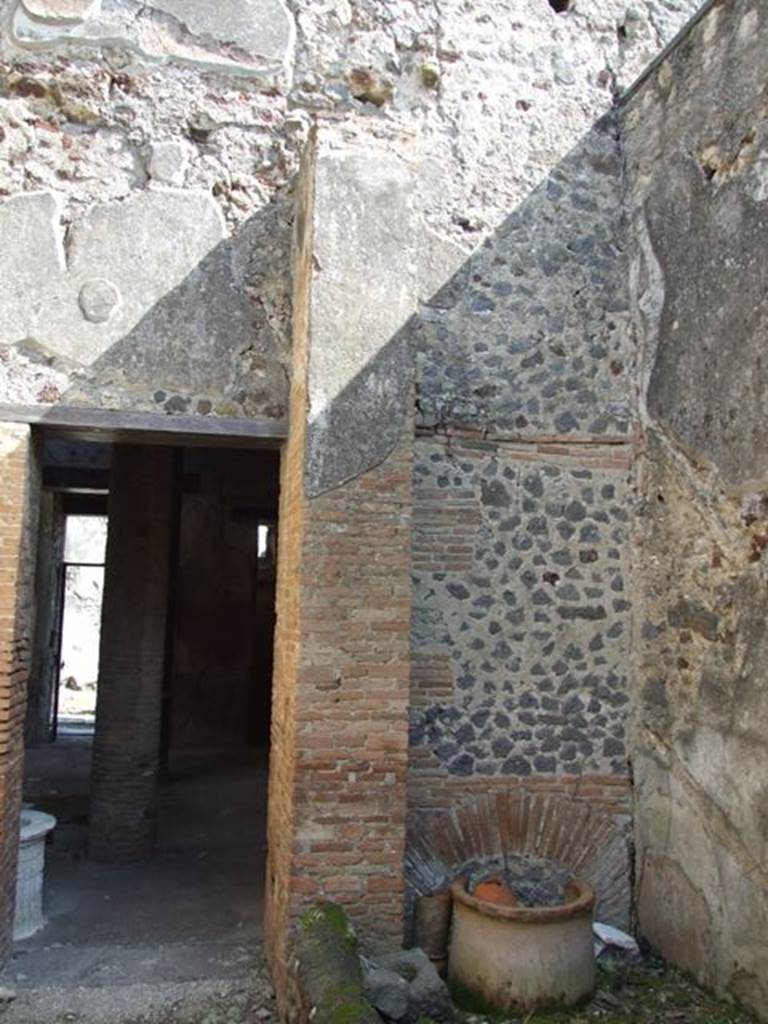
[(140, 939)]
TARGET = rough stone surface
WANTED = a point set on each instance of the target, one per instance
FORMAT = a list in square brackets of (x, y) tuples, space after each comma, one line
[(428, 995), (696, 156), (387, 991), (87, 112), (521, 595)]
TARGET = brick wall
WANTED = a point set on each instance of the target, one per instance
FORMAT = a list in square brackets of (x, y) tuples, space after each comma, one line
[(582, 822), (432, 792), (339, 733), (337, 797), (131, 655), (18, 487), (352, 691), (282, 763)]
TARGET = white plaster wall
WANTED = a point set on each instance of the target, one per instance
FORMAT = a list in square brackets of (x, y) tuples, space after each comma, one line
[(176, 130)]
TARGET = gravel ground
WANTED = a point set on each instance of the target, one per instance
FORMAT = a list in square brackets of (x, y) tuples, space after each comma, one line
[(644, 993), (204, 1002)]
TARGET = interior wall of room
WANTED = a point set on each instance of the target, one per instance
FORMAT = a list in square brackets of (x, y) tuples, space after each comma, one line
[(224, 599), (461, 136), (697, 165)]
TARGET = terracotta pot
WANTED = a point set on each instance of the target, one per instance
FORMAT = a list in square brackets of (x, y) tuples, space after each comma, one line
[(517, 959), (432, 924), (493, 890)]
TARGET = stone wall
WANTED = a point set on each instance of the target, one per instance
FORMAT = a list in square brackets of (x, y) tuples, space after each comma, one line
[(521, 605), (467, 219), (525, 361), (697, 153), (148, 151)]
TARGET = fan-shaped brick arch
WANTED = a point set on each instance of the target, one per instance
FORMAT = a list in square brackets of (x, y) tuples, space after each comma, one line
[(593, 845)]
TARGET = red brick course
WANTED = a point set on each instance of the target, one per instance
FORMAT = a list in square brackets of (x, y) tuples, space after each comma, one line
[(581, 822), (337, 793)]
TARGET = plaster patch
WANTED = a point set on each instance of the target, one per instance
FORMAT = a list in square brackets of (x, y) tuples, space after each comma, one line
[(31, 262), (61, 11), (168, 162), (262, 28), (245, 37), (139, 250), (648, 289), (363, 294)]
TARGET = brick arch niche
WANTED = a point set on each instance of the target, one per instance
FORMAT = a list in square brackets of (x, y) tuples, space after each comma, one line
[(593, 845)]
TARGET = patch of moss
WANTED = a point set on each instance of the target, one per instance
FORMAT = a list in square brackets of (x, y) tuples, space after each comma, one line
[(329, 915), (430, 76), (367, 89), (340, 1005)]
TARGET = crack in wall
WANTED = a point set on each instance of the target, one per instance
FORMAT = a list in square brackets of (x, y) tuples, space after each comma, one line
[(714, 819)]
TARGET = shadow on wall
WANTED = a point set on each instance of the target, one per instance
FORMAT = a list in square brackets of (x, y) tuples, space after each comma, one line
[(149, 306), (528, 340), (211, 345), (529, 336)]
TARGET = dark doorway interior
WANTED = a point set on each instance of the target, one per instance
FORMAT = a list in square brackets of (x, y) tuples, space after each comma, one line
[(193, 909), (223, 600)]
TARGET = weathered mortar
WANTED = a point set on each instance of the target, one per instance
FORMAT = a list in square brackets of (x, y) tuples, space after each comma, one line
[(521, 595), (149, 185), (697, 150), (104, 116)]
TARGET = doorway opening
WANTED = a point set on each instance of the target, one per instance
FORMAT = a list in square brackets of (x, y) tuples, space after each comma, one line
[(191, 907), (82, 584)]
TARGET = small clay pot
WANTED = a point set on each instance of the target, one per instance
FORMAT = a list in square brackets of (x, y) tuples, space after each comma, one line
[(494, 890), (432, 925)]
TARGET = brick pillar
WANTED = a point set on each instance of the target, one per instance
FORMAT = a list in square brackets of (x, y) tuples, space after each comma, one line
[(44, 671), (128, 708), (338, 765), (18, 507)]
